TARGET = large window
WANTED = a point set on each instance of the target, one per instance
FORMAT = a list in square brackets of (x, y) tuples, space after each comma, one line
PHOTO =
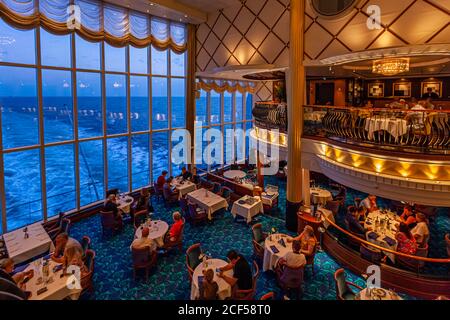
[(231, 115), (79, 118)]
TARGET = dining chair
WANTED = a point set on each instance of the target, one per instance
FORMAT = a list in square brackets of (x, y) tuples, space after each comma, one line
[(178, 243), (85, 245), (110, 223), (248, 294), (193, 254), (447, 241), (268, 296), (139, 218), (143, 259), (343, 290), (87, 285), (196, 215), (291, 279)]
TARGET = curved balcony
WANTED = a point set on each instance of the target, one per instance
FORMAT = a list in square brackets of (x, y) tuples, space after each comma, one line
[(407, 131)]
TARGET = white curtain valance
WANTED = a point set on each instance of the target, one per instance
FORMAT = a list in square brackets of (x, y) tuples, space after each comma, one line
[(98, 21)]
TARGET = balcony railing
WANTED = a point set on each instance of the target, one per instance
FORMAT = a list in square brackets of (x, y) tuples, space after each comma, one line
[(424, 131)]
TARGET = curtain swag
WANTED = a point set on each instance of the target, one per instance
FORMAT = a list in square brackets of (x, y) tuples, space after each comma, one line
[(230, 86), (95, 20)]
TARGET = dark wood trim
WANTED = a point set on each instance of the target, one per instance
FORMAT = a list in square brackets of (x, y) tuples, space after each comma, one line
[(420, 286)]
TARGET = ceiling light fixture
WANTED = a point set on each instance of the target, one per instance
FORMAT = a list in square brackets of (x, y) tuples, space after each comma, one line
[(391, 67)]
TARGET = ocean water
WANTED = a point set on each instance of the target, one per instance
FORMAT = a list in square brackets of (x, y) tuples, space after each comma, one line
[(23, 183)]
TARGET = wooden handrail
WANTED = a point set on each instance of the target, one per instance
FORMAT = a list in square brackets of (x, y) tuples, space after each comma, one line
[(383, 249), (374, 109)]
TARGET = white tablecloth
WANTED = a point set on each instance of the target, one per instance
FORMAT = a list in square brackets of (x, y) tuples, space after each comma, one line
[(210, 203), (184, 188), (377, 294), (320, 196), (58, 289), (246, 210), (268, 199), (383, 231), (124, 203), (271, 258), (21, 249), (224, 287), (314, 116), (395, 127), (232, 174), (157, 228)]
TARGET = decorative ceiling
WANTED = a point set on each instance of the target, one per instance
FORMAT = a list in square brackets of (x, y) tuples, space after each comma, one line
[(403, 23), (253, 33)]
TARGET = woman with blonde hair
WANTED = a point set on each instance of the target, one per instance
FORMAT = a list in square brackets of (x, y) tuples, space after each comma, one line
[(307, 240)]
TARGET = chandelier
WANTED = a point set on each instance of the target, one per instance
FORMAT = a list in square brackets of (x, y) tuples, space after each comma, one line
[(391, 67)]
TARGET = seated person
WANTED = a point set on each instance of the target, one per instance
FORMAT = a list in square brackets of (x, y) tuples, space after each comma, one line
[(170, 193), (7, 270), (353, 222), (370, 203), (361, 214), (161, 179), (195, 177), (111, 206), (242, 278), (308, 241), (73, 256), (175, 230), (408, 217), (142, 202), (421, 231), (209, 288), (11, 287), (62, 243), (144, 241), (293, 259), (406, 241), (185, 174)]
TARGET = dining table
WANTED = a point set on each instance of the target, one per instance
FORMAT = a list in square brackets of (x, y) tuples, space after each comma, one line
[(234, 174), (320, 196), (157, 231), (207, 200), (124, 203), (396, 127), (224, 291), (276, 247), (28, 242), (377, 294), (247, 207), (58, 286), (183, 186), (384, 232)]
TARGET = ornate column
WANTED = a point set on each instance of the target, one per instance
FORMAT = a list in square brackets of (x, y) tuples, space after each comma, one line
[(296, 97), (190, 87)]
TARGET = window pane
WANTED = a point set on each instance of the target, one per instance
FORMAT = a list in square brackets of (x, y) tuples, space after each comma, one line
[(22, 174), (139, 103), (215, 107), (159, 62), (203, 163), (201, 105), (138, 60), (116, 104), (118, 164), (249, 106), (227, 107), (114, 58), (160, 150), (248, 127), (60, 179), (89, 99), (57, 104), (177, 64), (240, 142), (88, 54), (228, 144), (20, 109), (91, 171), (178, 103), (140, 157), (239, 106), (159, 103), (17, 45), (55, 50)]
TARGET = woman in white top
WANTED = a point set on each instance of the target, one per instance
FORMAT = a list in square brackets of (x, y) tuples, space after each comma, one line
[(421, 231)]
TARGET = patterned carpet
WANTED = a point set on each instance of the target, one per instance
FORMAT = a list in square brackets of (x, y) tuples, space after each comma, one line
[(113, 279)]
